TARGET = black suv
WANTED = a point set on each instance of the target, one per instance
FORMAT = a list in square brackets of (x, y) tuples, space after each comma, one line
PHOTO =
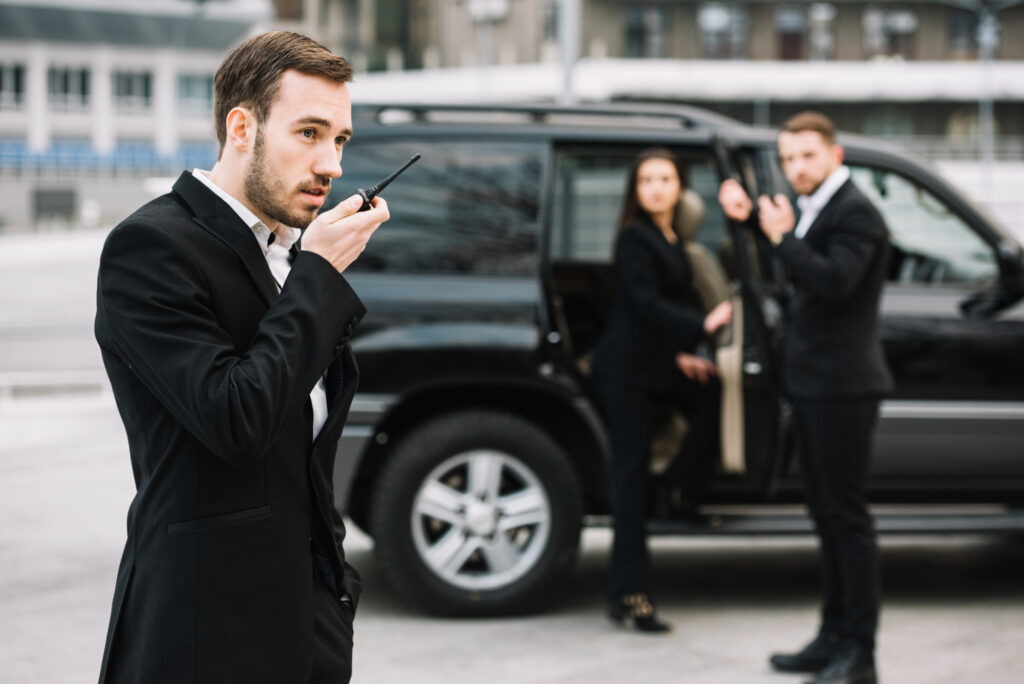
[(475, 450)]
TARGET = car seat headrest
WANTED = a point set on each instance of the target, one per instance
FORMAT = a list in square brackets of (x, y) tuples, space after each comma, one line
[(689, 214)]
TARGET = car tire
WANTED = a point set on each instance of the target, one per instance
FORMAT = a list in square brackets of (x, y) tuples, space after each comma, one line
[(476, 513)]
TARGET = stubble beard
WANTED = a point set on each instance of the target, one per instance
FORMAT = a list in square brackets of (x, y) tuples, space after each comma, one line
[(815, 183), (266, 193), (811, 186)]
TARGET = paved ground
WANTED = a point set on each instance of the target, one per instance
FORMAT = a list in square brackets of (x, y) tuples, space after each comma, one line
[(954, 606), (47, 304)]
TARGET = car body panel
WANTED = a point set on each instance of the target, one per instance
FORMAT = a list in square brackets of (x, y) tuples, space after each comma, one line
[(953, 431)]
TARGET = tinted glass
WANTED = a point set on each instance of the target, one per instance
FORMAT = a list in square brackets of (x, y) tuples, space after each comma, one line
[(465, 207), (590, 190), (931, 244)]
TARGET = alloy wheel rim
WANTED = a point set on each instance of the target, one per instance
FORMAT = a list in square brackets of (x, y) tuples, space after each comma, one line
[(481, 520)]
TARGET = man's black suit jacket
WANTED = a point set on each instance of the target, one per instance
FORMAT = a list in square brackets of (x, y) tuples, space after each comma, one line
[(656, 312), (838, 270), (212, 369)]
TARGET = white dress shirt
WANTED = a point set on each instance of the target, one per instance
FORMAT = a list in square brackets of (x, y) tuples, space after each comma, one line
[(276, 251), (811, 205)]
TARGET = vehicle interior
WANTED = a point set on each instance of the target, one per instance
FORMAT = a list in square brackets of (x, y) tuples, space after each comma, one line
[(591, 184)]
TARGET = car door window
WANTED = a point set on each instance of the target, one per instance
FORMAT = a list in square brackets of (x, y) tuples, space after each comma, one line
[(465, 207), (931, 244), (590, 190)]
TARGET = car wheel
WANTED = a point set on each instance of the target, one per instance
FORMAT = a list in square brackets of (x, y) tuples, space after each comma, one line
[(476, 513)]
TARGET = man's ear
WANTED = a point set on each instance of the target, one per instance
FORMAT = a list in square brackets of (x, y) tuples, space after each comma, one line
[(838, 153), (241, 129)]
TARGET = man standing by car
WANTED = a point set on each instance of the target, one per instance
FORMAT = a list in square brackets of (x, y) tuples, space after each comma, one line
[(834, 374), (226, 346)]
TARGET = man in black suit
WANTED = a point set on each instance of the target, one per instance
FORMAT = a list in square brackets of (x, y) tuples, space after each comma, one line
[(835, 374), (227, 349)]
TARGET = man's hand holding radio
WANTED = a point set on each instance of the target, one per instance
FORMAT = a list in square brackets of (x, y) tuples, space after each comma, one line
[(340, 235)]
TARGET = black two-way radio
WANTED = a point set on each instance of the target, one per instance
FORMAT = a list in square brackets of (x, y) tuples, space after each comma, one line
[(368, 195)]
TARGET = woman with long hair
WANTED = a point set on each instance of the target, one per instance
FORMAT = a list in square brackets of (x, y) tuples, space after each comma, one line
[(645, 362)]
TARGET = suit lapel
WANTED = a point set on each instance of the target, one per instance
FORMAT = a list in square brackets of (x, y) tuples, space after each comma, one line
[(218, 218), (828, 212)]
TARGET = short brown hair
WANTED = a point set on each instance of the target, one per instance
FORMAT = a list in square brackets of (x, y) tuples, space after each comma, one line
[(251, 75), (811, 121)]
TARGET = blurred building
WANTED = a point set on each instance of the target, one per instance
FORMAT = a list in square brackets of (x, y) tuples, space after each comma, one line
[(100, 97), (911, 71), (97, 97), (944, 78), (914, 70)]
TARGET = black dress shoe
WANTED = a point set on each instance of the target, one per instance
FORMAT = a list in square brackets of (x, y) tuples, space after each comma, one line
[(853, 663), (814, 656), (636, 611)]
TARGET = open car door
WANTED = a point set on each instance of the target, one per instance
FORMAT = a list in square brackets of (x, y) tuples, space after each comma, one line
[(750, 361)]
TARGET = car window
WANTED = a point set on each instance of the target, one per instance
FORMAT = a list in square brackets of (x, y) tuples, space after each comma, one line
[(590, 189), (465, 207), (931, 244)]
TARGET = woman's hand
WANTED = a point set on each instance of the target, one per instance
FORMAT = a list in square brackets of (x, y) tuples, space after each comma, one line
[(696, 367), (718, 317)]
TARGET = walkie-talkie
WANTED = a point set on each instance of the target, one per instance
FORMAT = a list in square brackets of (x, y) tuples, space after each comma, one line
[(368, 195)]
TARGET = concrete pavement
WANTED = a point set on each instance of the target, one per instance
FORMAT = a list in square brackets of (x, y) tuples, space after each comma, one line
[(954, 610)]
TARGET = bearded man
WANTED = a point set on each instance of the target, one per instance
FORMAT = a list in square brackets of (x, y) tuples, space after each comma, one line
[(834, 373), (226, 344)]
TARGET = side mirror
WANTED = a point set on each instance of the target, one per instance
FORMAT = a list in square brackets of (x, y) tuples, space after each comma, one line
[(988, 303), (1010, 290), (1011, 266)]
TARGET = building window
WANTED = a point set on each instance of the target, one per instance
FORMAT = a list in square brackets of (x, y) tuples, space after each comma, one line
[(195, 93), (549, 21), (821, 40), (806, 31), (963, 34), (791, 29), (646, 32), (133, 90), (70, 153), (196, 154), (137, 155), (12, 86), (889, 32), (723, 30), (68, 88), (889, 121)]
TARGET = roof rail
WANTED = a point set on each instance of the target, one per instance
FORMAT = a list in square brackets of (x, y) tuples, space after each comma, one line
[(653, 114)]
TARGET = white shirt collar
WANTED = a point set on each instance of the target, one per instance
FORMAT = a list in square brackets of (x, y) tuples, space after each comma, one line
[(811, 205), (286, 235), (824, 193)]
